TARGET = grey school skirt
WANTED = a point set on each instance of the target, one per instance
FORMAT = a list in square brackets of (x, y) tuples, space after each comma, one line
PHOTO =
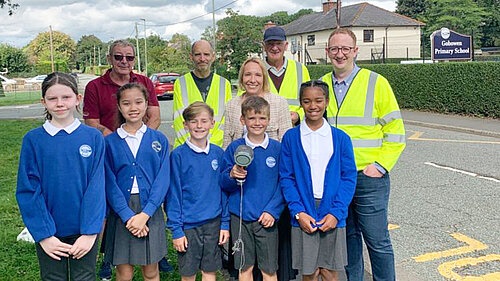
[(320, 249), (124, 248)]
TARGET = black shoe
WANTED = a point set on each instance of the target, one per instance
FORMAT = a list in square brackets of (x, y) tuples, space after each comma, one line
[(105, 272), (165, 266)]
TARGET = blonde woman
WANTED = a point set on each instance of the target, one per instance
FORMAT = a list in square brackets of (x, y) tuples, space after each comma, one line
[(254, 81)]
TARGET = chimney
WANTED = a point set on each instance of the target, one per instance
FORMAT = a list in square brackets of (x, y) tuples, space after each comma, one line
[(328, 5), (269, 24)]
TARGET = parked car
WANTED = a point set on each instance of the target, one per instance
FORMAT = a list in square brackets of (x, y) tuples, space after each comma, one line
[(6, 82), (164, 84), (37, 79)]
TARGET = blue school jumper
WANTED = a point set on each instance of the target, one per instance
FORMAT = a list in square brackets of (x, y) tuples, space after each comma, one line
[(195, 196), (151, 167), (296, 182), (60, 182), (261, 192)]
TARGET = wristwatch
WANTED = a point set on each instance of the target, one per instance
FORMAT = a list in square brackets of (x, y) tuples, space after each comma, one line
[(297, 216)]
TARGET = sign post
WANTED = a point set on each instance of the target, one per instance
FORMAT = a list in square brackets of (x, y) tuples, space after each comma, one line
[(450, 45)]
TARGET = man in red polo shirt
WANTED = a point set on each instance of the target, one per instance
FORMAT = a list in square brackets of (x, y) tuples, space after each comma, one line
[(99, 102)]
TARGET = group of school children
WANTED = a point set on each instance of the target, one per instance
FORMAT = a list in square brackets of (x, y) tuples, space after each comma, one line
[(70, 177)]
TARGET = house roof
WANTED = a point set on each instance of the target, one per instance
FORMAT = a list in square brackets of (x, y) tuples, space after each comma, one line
[(357, 15)]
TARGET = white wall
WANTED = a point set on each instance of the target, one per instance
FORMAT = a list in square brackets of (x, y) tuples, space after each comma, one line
[(401, 42)]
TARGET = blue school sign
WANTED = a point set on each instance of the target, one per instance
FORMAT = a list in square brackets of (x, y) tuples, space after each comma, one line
[(449, 45)]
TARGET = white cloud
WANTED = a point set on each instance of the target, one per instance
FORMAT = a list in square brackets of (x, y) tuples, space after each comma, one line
[(113, 19)]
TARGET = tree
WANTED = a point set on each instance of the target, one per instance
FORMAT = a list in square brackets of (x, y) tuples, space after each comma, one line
[(238, 37), (13, 59), (463, 16), (171, 56), (86, 47), (10, 6), (414, 9), (39, 48), (491, 26)]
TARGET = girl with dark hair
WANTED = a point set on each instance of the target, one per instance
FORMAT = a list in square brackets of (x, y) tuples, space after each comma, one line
[(137, 176)]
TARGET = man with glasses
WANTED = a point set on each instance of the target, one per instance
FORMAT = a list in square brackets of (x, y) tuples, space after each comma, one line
[(99, 101), (285, 75), (363, 105)]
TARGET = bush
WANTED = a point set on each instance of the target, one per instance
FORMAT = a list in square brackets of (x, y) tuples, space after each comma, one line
[(45, 67), (470, 88)]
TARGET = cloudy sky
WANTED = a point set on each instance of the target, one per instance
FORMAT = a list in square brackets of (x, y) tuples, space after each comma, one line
[(115, 19)]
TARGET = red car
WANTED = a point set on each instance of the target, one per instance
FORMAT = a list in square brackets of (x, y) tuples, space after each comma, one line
[(164, 84)]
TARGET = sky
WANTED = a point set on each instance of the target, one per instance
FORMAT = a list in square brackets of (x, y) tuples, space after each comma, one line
[(115, 19)]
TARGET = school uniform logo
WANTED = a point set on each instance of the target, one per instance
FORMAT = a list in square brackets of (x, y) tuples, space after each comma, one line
[(85, 150), (270, 161), (215, 164), (156, 145)]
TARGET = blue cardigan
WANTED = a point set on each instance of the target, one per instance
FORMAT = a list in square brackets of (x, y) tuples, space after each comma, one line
[(296, 182), (151, 167), (60, 183), (195, 196)]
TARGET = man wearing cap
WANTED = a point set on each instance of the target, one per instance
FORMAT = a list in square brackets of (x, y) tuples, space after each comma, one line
[(99, 102), (201, 84), (285, 75)]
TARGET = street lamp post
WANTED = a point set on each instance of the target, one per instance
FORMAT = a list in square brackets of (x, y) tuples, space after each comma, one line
[(145, 49)]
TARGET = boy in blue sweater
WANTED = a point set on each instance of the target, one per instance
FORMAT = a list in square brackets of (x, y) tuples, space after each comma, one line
[(253, 223), (195, 205)]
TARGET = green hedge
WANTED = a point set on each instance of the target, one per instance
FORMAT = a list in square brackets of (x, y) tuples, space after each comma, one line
[(45, 67), (471, 88)]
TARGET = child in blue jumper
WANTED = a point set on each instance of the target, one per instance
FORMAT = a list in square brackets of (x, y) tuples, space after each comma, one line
[(60, 185), (137, 178), (197, 208), (262, 198), (318, 179)]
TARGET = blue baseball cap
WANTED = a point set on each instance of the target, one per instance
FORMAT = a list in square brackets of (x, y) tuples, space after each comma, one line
[(274, 33)]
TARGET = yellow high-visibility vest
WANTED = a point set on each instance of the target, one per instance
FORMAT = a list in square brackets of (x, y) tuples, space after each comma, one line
[(296, 73), (186, 92), (370, 115)]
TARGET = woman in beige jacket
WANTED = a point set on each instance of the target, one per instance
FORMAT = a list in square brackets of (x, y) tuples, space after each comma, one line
[(254, 80)]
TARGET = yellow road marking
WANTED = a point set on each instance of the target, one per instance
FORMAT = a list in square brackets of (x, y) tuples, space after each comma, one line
[(446, 269), (416, 136), (472, 245), (393, 226)]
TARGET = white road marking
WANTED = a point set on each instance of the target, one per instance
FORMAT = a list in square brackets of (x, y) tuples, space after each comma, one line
[(462, 172)]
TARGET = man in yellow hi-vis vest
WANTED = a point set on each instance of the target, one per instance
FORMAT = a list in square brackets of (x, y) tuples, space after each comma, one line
[(363, 105), (201, 84), (285, 75)]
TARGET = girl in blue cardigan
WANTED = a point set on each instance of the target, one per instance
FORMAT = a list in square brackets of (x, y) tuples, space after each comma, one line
[(137, 176), (60, 185), (318, 179)]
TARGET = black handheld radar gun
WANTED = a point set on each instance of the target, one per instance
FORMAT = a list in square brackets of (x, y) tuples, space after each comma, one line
[(243, 156)]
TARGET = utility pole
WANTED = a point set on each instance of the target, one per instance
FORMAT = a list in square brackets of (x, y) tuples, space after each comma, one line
[(214, 29), (51, 49), (99, 54), (94, 57), (339, 5), (138, 54), (145, 49)]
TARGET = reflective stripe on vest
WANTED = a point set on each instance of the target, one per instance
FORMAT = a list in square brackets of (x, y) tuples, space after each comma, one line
[(185, 98), (300, 76)]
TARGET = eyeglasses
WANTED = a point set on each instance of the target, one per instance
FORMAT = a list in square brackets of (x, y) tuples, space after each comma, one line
[(120, 57), (345, 49)]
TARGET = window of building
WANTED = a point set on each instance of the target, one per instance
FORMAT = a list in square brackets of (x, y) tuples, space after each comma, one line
[(368, 35), (310, 40)]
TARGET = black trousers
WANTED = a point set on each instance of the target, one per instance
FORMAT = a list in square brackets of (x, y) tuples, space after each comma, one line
[(67, 268)]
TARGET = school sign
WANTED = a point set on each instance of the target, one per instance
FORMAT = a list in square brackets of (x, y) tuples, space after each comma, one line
[(449, 45)]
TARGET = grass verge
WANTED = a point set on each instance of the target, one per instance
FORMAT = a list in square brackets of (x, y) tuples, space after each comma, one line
[(18, 98)]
